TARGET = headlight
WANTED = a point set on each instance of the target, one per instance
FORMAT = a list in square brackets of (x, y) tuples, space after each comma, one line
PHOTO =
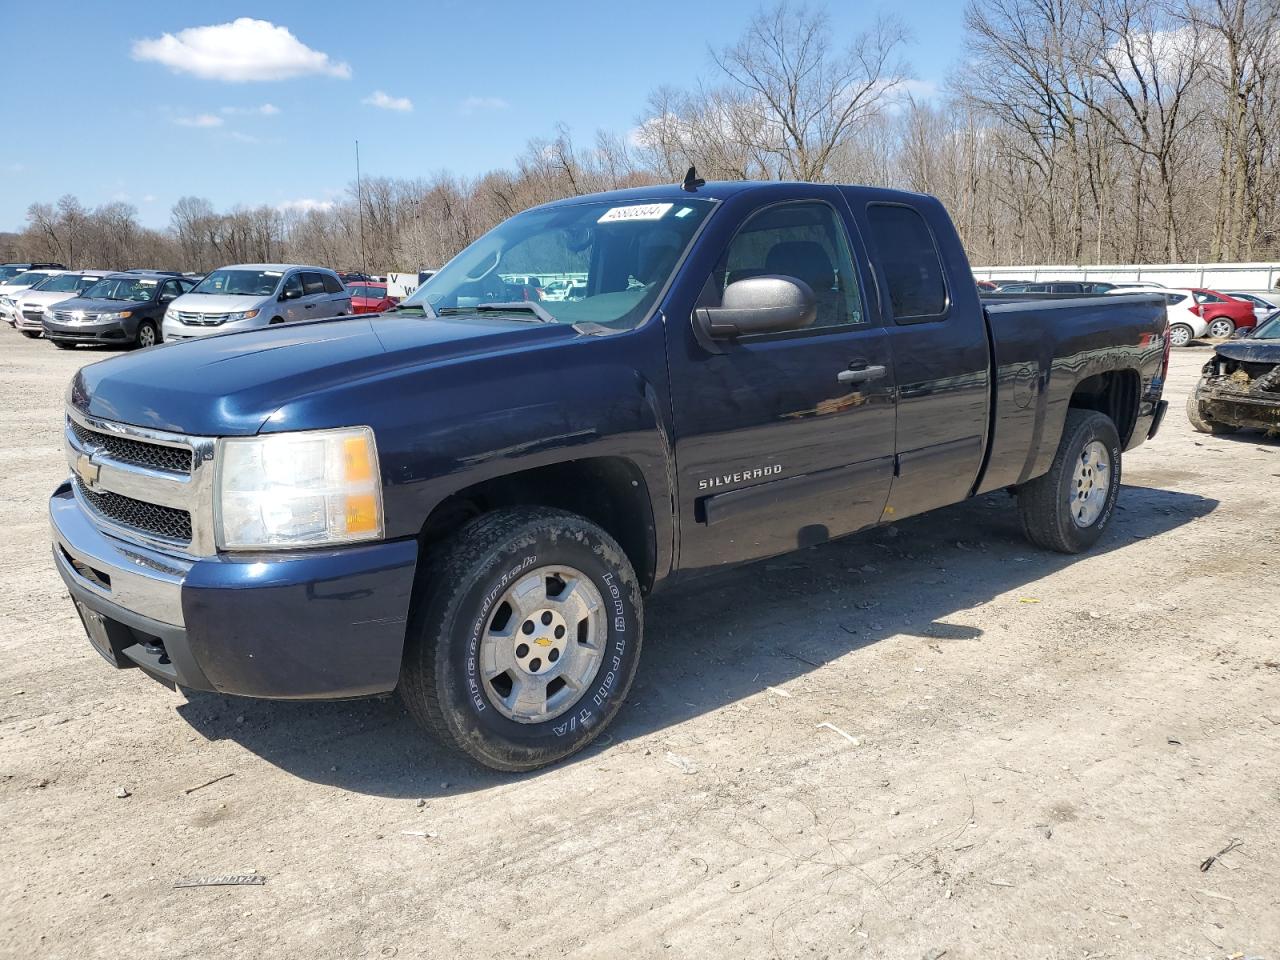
[(246, 315), (298, 489), (48, 313), (118, 315)]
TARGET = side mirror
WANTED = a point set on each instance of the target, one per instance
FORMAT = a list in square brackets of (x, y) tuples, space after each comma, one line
[(288, 294), (769, 304)]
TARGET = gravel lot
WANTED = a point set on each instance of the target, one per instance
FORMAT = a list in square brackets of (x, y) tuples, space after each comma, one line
[(924, 739)]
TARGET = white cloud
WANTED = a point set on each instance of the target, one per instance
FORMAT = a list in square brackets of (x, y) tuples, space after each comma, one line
[(149, 198), (236, 52), (265, 110), (479, 104), (304, 205), (384, 101), (199, 120)]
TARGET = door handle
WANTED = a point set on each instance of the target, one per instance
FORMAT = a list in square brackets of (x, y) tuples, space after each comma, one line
[(861, 374), (308, 305)]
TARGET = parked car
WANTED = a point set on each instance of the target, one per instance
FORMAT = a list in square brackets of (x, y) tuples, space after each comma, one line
[(986, 286), (1185, 322), (1223, 314), (561, 290), (369, 297), (124, 309), (252, 295), (1262, 308), (33, 302), (16, 285), (1240, 386), (1058, 286), (10, 270), (1132, 285), (473, 509)]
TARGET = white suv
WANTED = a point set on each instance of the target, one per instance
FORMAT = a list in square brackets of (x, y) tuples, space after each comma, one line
[(248, 296)]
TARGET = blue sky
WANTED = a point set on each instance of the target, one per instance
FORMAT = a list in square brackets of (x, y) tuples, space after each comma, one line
[(138, 110)]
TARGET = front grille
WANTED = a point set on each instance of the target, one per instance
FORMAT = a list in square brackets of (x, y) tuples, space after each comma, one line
[(201, 319), (150, 518), (153, 455), (73, 316)]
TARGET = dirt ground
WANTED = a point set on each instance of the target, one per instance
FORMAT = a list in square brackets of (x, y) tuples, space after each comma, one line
[(927, 741)]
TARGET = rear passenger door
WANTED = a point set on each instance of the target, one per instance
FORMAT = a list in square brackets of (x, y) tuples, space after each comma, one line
[(315, 298), (338, 302), (941, 357)]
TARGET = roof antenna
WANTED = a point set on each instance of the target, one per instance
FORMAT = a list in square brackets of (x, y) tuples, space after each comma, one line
[(692, 181)]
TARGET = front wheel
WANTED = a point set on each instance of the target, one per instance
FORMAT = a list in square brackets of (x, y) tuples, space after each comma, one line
[(526, 639), (1201, 421), (1068, 508), (1180, 335), (1221, 328), (147, 335)]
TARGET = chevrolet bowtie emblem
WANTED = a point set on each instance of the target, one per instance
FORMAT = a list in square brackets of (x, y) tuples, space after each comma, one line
[(87, 470)]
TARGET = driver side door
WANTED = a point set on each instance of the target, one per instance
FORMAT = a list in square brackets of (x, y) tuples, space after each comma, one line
[(291, 306), (785, 440)]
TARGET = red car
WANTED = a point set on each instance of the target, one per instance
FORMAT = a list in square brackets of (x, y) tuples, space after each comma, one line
[(1224, 315), (368, 297)]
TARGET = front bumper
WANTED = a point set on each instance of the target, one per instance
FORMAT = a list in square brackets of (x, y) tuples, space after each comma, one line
[(115, 331), (306, 625), (30, 320)]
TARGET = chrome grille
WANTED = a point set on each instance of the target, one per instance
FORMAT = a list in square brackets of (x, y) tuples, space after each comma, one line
[(192, 319), (152, 455), (168, 523), (73, 316), (149, 486)]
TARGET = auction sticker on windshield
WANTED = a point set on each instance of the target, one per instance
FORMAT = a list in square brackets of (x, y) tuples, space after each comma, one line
[(643, 211)]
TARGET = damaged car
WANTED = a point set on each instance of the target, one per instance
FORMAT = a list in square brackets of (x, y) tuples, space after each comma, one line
[(1240, 386)]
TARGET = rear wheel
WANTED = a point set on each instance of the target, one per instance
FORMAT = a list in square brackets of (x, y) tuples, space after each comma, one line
[(31, 334), (1068, 508), (525, 640), (147, 335), (1201, 421), (1221, 328), (1179, 334)]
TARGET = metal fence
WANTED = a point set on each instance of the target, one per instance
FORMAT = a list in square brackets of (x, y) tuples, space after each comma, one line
[(1252, 277)]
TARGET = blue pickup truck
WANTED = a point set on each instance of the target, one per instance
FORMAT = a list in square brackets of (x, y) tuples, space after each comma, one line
[(466, 499)]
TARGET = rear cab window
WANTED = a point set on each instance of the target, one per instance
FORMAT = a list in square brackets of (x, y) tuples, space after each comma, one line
[(908, 257)]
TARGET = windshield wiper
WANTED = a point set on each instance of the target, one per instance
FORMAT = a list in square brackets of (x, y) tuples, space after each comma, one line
[(542, 313)]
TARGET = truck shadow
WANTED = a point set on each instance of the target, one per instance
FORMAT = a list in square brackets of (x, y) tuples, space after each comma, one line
[(713, 641)]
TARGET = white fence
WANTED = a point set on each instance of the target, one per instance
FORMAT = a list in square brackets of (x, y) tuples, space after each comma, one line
[(1253, 277)]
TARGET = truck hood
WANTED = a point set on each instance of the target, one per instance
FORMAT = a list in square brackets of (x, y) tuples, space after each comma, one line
[(230, 384), (1249, 350), (218, 303)]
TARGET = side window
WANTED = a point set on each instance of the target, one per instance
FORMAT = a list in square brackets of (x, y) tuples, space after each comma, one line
[(1172, 298), (293, 285), (312, 283), (331, 283), (805, 240), (909, 258)]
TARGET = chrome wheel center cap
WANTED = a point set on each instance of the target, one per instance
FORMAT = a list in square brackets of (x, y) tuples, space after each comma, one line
[(540, 641)]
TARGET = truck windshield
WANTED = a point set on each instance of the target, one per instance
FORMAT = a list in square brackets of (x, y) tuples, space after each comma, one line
[(240, 283), (602, 262)]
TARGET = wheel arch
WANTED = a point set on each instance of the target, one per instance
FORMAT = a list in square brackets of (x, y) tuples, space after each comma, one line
[(1116, 393), (610, 491)]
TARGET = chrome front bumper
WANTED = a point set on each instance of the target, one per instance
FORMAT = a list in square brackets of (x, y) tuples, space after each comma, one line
[(132, 577)]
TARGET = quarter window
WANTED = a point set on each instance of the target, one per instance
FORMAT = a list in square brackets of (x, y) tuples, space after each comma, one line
[(804, 240), (909, 258)]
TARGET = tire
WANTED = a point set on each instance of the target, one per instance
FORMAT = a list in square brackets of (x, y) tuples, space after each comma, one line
[(1180, 334), (31, 334), (64, 345), (1221, 328), (1202, 423), (275, 320), (1057, 511), (469, 596), (147, 335)]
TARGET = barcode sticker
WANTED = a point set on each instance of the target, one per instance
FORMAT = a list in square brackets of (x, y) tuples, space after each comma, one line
[(642, 211)]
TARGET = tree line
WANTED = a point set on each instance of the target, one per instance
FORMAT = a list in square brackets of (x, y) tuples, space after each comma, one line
[(1069, 131)]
